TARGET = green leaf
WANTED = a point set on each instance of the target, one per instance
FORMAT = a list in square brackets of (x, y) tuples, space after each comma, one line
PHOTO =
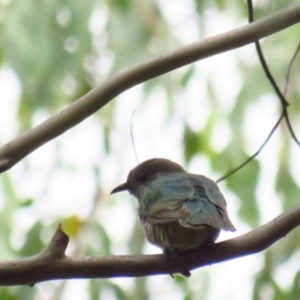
[(287, 187), (33, 244), (7, 293), (243, 184)]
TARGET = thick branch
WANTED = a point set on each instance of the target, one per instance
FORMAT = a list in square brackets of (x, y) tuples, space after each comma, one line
[(88, 104), (53, 264)]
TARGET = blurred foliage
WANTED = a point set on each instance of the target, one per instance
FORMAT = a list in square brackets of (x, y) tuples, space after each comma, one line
[(44, 43), (61, 49)]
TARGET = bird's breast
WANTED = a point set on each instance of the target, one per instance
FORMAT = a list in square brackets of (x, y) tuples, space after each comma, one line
[(173, 236)]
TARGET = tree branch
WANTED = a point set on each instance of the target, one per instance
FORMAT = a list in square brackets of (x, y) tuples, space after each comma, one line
[(52, 264), (88, 104)]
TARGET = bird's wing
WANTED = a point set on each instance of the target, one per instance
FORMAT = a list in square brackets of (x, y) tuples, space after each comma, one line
[(193, 200), (214, 209), (162, 199)]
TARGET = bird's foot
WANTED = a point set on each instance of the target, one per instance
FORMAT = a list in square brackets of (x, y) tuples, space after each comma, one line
[(172, 257)]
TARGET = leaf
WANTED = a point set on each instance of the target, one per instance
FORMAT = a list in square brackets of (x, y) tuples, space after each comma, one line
[(7, 294), (33, 243), (243, 184), (72, 225), (192, 143), (287, 187), (26, 203)]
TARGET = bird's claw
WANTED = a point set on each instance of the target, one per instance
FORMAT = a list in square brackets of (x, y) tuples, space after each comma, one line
[(172, 256)]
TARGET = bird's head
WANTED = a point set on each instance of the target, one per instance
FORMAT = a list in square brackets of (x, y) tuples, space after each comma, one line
[(145, 172)]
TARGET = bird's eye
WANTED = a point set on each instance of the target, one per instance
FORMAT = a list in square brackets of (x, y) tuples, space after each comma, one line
[(142, 178)]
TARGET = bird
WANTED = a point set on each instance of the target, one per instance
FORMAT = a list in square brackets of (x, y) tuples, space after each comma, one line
[(177, 210)]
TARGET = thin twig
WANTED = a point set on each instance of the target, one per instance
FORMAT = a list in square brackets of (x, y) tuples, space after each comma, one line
[(256, 153), (291, 130), (263, 62), (132, 138), (287, 78), (284, 102)]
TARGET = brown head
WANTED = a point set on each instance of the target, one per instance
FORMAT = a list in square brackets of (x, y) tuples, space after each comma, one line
[(145, 172)]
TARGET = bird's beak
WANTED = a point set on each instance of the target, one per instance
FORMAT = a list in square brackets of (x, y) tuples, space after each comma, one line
[(120, 188)]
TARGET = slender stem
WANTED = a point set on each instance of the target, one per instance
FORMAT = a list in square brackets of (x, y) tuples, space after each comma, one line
[(256, 153)]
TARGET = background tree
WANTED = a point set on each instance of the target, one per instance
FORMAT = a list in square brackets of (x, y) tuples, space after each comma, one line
[(210, 115)]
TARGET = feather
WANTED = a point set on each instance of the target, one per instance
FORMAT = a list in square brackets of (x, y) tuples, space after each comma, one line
[(193, 200)]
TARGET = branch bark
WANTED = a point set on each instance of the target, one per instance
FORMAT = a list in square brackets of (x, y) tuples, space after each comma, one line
[(52, 264), (88, 104)]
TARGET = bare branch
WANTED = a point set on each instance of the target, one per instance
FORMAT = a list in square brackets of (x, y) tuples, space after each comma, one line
[(290, 128), (288, 73), (284, 102), (29, 268), (281, 96), (256, 153), (52, 264), (88, 104), (263, 62)]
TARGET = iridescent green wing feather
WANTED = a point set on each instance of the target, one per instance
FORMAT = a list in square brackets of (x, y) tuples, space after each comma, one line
[(193, 200)]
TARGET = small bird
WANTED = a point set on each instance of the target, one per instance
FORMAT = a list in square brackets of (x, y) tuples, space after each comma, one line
[(177, 210)]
